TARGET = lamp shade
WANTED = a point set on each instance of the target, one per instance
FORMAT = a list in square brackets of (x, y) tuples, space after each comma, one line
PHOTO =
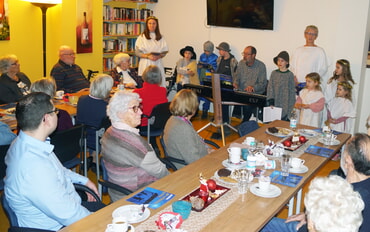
[(45, 1)]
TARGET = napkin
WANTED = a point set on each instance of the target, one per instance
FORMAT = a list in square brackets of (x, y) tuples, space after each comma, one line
[(154, 197), (291, 180), (320, 151)]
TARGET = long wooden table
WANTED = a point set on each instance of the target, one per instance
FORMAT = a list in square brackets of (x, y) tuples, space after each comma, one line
[(248, 215)]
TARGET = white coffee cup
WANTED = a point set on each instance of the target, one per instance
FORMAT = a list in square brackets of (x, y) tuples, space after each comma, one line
[(234, 154), (119, 224), (59, 94), (297, 163), (264, 183)]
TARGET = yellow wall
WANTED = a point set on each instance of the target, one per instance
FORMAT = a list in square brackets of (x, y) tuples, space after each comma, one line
[(26, 36)]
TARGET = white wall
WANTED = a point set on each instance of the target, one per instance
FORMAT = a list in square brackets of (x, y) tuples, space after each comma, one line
[(343, 33)]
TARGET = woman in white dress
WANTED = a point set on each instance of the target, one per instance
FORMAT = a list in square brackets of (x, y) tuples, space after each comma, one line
[(151, 47), (340, 108)]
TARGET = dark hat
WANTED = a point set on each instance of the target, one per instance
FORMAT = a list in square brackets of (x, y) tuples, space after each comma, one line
[(283, 55), (190, 49), (224, 46)]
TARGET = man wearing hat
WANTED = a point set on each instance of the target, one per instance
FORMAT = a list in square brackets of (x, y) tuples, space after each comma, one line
[(282, 78), (250, 77), (207, 65), (226, 64), (186, 67)]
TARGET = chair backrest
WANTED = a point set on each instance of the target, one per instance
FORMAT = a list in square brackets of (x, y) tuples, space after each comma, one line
[(8, 211), (68, 143), (247, 127), (3, 151), (159, 116), (168, 160)]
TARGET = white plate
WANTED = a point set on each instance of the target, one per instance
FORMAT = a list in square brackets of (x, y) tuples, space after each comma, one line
[(219, 179), (333, 143), (130, 229), (274, 191), (302, 169), (227, 164), (124, 211), (308, 132), (280, 135)]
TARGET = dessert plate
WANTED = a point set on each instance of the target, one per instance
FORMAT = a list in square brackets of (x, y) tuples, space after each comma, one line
[(308, 132), (302, 169), (126, 212), (241, 164), (274, 191), (332, 143), (227, 180), (282, 133)]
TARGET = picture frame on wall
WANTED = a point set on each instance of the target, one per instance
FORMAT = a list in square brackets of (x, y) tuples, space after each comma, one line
[(84, 29), (4, 20)]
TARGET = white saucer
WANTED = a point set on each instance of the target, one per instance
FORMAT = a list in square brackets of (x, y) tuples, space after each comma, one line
[(130, 229), (302, 169), (124, 211), (333, 143), (274, 191), (227, 164)]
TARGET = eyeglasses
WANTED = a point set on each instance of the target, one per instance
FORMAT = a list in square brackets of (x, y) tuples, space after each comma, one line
[(56, 111), (309, 33), (69, 54), (15, 63), (136, 108), (247, 54)]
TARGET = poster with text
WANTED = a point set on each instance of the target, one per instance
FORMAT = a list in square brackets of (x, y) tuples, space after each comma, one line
[(84, 30), (4, 20)]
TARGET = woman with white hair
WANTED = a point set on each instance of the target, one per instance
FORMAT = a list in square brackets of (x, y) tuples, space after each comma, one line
[(123, 73), (48, 86), (333, 205), (13, 83), (91, 109), (130, 161)]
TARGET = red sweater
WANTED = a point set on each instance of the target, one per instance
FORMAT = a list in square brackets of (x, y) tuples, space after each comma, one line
[(151, 95)]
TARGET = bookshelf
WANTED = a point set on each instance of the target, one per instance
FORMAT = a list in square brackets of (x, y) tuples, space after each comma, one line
[(123, 22)]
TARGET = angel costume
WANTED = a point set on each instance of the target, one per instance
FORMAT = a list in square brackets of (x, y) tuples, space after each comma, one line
[(146, 46), (312, 115), (341, 109)]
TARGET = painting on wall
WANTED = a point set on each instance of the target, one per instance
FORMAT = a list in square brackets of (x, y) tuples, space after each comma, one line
[(4, 20), (84, 29)]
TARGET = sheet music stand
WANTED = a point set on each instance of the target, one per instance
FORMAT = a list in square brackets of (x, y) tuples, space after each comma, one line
[(217, 106)]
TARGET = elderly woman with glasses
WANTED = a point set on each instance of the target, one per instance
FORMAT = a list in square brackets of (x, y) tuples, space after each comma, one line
[(122, 73), (129, 159), (48, 86), (13, 83)]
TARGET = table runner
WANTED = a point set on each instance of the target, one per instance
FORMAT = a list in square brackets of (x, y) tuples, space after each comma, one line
[(197, 220)]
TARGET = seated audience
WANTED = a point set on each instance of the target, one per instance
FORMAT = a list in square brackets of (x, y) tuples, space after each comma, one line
[(13, 83), (38, 188), (47, 85), (68, 75), (152, 93), (7, 136), (130, 160), (357, 168), (92, 108), (123, 73), (179, 136), (333, 205)]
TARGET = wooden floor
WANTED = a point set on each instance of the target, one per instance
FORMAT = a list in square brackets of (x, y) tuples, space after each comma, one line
[(207, 133)]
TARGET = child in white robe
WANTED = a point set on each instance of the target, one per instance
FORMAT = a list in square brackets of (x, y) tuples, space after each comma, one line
[(311, 101), (340, 108)]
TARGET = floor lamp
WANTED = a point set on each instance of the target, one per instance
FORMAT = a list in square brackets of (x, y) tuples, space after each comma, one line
[(44, 5)]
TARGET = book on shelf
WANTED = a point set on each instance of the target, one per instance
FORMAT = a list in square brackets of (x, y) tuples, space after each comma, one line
[(154, 197)]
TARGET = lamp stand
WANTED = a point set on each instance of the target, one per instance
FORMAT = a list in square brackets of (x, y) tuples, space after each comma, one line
[(44, 7)]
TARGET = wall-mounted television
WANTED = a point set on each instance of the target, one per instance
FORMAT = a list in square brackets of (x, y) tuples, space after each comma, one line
[(255, 14)]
